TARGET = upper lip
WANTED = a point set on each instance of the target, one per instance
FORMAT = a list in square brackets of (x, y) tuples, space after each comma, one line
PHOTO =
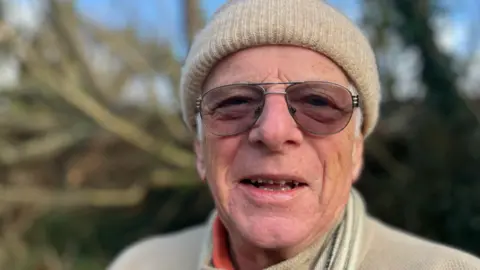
[(276, 177)]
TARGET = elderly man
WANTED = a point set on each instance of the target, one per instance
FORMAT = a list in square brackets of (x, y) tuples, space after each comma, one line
[(282, 94)]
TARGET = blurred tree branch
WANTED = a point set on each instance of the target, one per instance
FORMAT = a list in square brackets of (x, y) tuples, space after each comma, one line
[(44, 147), (72, 198), (193, 19), (72, 132), (68, 83), (66, 25)]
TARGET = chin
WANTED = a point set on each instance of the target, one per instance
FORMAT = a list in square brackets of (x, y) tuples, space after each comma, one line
[(273, 232)]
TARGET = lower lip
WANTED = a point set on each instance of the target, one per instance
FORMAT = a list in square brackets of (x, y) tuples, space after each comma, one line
[(270, 196)]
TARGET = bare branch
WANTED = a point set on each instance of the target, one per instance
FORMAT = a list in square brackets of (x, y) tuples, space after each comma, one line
[(193, 18), (64, 21), (72, 198), (68, 87), (48, 145)]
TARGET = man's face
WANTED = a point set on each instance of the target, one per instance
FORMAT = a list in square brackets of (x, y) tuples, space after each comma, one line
[(277, 148)]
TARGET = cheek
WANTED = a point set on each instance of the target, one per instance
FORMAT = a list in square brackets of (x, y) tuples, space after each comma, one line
[(336, 156), (219, 156), (340, 161), (219, 153), (336, 152)]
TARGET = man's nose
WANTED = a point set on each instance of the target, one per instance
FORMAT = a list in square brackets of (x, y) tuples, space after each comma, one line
[(275, 128)]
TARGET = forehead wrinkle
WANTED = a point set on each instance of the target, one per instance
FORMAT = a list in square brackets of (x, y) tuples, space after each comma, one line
[(327, 66), (244, 69), (245, 75), (271, 76)]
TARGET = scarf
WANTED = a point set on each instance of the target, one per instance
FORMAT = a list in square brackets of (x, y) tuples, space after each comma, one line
[(341, 248)]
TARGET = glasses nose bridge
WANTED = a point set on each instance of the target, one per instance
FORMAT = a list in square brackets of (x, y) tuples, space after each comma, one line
[(265, 93), (277, 92), (268, 92), (283, 92), (274, 92)]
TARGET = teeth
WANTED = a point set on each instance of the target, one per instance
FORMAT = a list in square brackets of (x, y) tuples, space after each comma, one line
[(283, 188), (271, 182)]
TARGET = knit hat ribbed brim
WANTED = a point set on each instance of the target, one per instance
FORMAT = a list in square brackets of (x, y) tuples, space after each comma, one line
[(311, 24)]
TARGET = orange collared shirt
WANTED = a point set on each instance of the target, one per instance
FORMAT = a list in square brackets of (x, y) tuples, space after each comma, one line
[(220, 255)]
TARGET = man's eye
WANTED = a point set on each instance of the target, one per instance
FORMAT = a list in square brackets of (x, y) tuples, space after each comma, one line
[(232, 102), (317, 101)]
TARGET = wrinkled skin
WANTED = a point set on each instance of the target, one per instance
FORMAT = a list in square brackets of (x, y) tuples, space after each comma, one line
[(264, 234)]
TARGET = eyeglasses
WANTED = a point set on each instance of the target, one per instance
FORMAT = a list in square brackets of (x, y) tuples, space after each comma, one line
[(320, 108)]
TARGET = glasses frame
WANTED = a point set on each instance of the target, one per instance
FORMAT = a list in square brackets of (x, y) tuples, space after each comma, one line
[(292, 110)]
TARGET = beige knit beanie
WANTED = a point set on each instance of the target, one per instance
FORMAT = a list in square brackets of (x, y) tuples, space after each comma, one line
[(312, 24)]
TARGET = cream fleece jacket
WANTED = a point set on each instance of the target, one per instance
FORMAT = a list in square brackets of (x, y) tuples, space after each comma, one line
[(383, 247)]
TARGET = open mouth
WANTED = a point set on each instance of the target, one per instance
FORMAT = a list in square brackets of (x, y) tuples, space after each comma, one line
[(273, 185)]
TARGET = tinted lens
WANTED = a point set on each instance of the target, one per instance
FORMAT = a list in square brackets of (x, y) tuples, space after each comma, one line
[(232, 109), (320, 108)]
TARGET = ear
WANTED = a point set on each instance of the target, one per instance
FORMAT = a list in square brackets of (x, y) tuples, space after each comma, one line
[(200, 162), (357, 158)]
